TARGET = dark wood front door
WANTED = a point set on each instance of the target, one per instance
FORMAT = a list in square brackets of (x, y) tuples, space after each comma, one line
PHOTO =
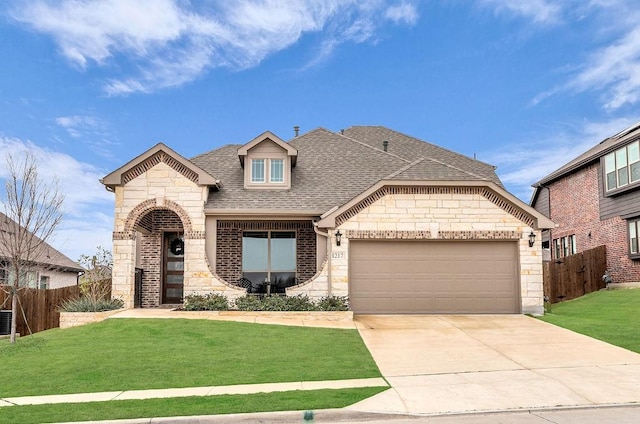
[(173, 268)]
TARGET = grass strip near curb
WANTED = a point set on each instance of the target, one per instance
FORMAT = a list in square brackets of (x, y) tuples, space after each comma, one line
[(612, 316), (136, 354), (186, 406)]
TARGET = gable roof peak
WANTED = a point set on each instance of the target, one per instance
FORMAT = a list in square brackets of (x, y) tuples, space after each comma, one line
[(158, 153), (243, 150)]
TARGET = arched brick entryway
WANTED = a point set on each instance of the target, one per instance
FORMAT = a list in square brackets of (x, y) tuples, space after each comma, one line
[(159, 231)]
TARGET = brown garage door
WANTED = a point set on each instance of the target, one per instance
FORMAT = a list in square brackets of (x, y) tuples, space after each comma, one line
[(436, 277)]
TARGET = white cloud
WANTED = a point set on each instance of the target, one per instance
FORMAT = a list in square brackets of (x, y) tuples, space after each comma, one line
[(402, 13), (540, 11), (86, 202), (94, 131), (615, 69), (173, 42), (523, 164)]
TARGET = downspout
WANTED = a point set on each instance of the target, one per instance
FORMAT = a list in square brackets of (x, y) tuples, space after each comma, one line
[(326, 234)]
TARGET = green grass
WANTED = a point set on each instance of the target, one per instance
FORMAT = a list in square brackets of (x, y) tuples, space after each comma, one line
[(609, 315), (228, 404), (132, 354)]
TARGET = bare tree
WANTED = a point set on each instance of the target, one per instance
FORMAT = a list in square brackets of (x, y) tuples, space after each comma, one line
[(32, 211)]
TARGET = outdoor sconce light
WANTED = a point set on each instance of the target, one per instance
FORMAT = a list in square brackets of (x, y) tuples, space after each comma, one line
[(532, 239), (338, 237)]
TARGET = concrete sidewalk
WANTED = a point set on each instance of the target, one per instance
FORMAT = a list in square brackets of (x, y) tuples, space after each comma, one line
[(241, 389)]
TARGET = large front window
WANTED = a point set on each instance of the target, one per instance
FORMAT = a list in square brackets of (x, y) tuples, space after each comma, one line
[(622, 167), (269, 256)]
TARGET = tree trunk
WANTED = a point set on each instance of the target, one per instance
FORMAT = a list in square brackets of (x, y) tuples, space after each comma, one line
[(14, 316)]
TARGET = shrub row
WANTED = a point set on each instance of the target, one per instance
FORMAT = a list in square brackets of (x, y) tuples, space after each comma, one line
[(219, 302)]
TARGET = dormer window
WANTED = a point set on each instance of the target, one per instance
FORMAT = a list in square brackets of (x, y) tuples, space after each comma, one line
[(267, 163), (275, 167), (257, 170), (277, 171)]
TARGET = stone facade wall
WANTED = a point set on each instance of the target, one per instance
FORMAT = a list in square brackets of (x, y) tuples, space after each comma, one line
[(229, 246), (161, 188), (436, 216), (575, 208)]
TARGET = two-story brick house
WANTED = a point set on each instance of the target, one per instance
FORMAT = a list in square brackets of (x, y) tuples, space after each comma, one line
[(396, 224), (595, 200)]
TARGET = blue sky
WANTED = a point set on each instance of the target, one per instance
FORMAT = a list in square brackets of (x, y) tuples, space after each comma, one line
[(523, 85)]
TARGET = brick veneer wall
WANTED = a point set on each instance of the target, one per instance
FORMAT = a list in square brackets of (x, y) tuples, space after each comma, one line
[(229, 246), (575, 208)]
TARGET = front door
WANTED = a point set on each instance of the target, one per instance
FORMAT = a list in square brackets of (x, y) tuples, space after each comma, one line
[(173, 268)]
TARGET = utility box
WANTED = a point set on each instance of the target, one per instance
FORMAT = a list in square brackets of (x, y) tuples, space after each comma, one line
[(5, 323)]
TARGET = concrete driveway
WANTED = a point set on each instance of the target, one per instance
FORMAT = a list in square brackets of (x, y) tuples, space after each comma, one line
[(472, 363)]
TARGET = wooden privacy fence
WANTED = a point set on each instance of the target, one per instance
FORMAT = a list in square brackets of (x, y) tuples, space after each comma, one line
[(575, 275), (40, 307)]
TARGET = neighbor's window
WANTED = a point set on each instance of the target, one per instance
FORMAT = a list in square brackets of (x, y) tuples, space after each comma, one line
[(622, 166), (277, 171), (44, 282), (257, 170), (634, 232), (565, 246)]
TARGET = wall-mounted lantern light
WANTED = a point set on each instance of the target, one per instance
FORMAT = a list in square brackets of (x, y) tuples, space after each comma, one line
[(532, 239), (338, 237)]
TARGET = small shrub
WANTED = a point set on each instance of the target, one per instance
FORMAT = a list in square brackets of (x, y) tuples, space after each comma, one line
[(333, 303), (248, 303), (87, 304), (206, 302), (300, 302), (274, 303)]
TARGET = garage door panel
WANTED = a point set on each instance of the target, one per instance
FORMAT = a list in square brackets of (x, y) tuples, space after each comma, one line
[(433, 277)]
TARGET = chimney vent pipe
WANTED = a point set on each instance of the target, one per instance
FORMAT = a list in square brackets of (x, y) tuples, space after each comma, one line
[(385, 145)]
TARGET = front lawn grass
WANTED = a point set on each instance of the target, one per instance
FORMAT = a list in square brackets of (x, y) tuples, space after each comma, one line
[(132, 354), (212, 405), (612, 316)]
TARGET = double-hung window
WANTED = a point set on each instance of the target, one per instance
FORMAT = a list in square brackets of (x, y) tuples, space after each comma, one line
[(257, 170), (277, 171), (634, 234), (622, 166)]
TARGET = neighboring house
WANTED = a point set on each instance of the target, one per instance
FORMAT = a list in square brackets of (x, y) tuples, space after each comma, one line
[(397, 224), (595, 200), (48, 268)]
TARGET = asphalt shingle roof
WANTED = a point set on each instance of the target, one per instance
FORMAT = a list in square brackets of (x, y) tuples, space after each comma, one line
[(333, 168), (45, 254)]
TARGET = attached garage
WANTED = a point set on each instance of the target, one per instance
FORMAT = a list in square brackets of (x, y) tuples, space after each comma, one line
[(434, 277)]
